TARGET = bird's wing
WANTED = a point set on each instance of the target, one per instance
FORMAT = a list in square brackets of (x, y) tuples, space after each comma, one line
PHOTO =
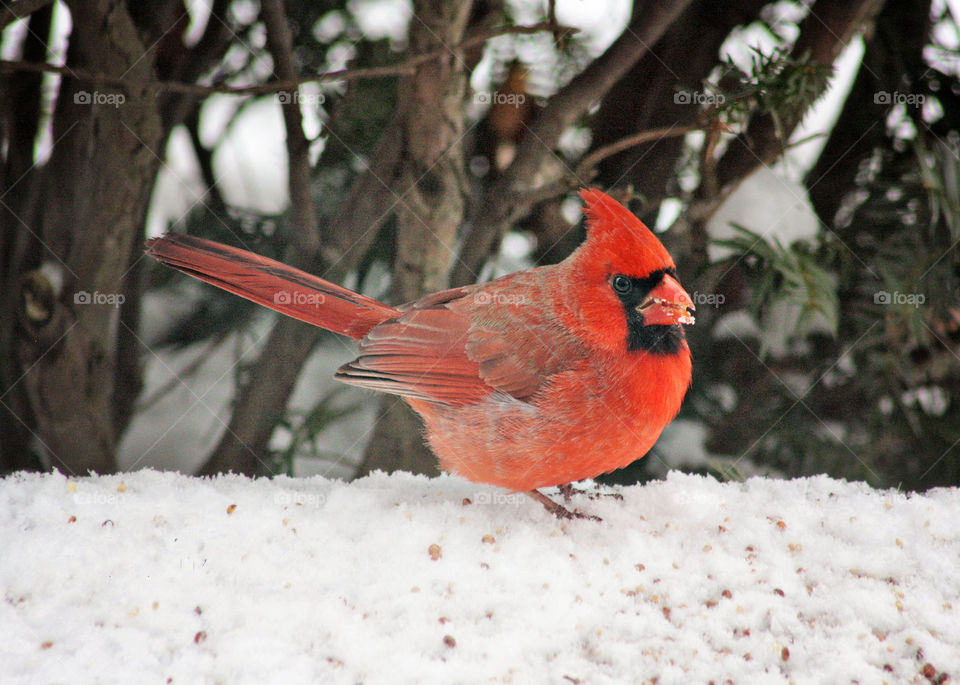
[(421, 355), (460, 348)]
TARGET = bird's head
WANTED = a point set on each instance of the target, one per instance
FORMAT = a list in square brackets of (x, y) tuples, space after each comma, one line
[(628, 295)]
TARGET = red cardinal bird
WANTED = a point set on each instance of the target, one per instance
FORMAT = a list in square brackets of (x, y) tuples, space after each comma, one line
[(539, 378)]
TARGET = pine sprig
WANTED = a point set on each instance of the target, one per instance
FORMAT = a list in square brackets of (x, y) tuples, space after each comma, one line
[(790, 275), (779, 84)]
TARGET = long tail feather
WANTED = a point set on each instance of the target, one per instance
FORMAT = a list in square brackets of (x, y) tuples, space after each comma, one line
[(272, 284)]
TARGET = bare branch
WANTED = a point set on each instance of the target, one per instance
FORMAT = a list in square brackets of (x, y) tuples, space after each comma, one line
[(280, 44), (586, 165), (509, 196), (19, 10), (292, 82)]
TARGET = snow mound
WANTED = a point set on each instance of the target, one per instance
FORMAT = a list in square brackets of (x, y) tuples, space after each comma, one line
[(153, 577)]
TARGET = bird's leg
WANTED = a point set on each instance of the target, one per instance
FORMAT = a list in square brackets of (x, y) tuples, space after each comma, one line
[(559, 510), (567, 491)]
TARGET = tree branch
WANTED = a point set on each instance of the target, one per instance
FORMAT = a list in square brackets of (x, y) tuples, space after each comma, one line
[(19, 10), (263, 399), (292, 81), (586, 165), (508, 197), (825, 32)]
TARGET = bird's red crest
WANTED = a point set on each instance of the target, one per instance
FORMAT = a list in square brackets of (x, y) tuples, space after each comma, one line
[(619, 239), (617, 243)]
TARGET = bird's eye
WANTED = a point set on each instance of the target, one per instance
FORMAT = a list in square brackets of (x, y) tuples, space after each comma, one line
[(621, 284)]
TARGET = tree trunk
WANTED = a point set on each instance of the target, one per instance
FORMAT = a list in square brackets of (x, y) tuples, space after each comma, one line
[(431, 200), (96, 187), (20, 94)]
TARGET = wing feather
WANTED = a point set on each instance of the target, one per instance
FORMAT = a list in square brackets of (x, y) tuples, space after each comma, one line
[(455, 348)]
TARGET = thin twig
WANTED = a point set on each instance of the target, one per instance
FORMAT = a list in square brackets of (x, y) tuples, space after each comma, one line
[(601, 153), (280, 46), (407, 67), (583, 172)]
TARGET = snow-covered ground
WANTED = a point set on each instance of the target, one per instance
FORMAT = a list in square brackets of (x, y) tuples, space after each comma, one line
[(152, 577)]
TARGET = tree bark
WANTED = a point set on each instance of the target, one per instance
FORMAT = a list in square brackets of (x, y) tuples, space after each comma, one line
[(96, 187), (895, 49), (21, 95), (431, 200)]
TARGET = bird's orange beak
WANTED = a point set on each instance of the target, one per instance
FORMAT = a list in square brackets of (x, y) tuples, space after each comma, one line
[(667, 304)]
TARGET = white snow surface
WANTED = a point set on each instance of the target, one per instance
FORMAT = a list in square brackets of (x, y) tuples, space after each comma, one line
[(156, 577)]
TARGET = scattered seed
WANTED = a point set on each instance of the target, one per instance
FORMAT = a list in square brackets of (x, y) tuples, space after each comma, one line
[(435, 551), (449, 641)]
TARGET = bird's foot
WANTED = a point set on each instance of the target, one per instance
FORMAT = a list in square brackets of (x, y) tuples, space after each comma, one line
[(558, 510)]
